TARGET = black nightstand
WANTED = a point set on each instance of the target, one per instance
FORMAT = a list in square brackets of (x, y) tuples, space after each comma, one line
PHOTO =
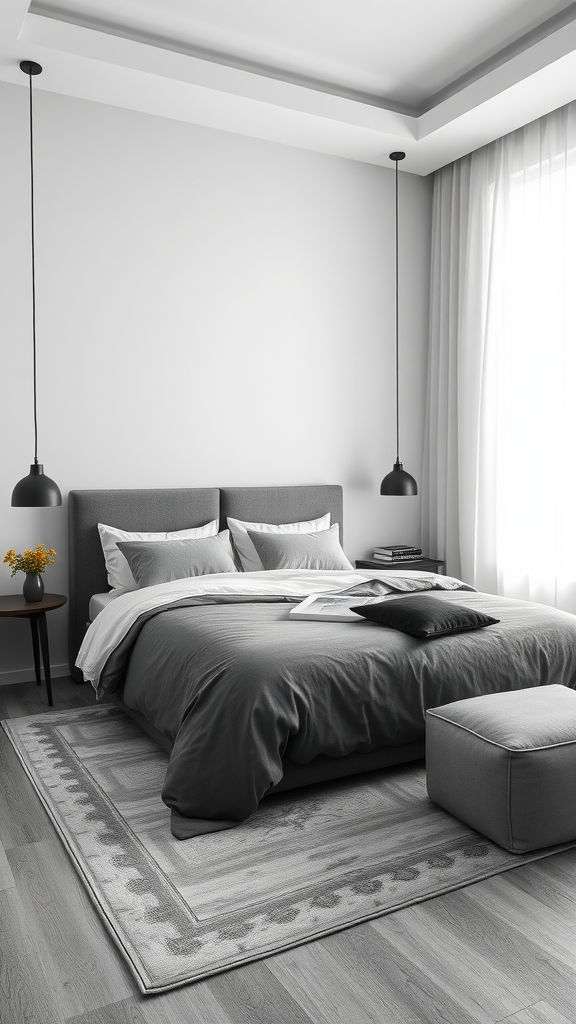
[(427, 564)]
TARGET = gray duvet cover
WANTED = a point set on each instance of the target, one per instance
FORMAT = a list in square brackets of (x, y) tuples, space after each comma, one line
[(237, 686)]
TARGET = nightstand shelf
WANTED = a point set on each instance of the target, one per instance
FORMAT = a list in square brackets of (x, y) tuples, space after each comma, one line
[(426, 564)]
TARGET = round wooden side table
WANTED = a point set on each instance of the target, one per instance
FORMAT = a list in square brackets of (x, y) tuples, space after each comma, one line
[(14, 606)]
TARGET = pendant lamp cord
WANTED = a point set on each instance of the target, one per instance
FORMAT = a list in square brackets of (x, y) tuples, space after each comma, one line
[(33, 274), (397, 390)]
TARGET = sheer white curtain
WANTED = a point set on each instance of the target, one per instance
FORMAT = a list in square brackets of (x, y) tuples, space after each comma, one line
[(499, 480)]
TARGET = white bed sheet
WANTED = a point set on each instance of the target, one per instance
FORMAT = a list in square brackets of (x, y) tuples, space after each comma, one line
[(98, 602)]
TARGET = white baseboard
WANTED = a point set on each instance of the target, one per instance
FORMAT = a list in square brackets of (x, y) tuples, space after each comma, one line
[(26, 675)]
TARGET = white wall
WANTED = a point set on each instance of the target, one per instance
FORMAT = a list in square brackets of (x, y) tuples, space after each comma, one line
[(211, 310)]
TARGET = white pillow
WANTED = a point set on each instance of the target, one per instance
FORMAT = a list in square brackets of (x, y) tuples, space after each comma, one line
[(120, 577), (249, 558)]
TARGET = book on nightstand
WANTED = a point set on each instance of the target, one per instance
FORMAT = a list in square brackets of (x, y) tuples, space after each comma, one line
[(395, 550), (412, 555)]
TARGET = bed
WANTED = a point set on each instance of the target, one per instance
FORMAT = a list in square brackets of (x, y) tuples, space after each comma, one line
[(247, 701)]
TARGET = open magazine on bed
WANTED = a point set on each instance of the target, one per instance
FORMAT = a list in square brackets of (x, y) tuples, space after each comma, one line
[(332, 607)]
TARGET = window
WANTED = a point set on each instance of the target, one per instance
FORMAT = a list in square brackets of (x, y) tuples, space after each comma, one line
[(529, 393)]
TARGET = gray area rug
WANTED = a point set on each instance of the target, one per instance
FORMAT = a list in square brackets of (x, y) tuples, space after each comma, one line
[(309, 862)]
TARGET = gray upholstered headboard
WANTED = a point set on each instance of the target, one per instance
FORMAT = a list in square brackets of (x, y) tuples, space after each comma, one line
[(281, 504), (167, 510)]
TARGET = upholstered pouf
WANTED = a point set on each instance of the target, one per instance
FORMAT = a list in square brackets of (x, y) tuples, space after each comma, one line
[(505, 763)]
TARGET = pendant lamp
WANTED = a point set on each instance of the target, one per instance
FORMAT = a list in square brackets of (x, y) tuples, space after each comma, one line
[(36, 489), (398, 482)]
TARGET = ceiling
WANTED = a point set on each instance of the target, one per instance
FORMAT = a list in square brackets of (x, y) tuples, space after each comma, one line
[(354, 78)]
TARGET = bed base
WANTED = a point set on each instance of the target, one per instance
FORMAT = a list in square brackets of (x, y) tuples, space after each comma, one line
[(320, 769)]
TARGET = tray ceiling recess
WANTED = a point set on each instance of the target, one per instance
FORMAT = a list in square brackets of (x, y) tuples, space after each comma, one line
[(356, 79)]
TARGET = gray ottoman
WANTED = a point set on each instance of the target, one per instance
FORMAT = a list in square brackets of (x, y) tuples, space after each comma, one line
[(505, 763)]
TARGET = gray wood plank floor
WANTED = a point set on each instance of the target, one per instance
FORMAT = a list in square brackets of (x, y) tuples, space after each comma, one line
[(502, 950)]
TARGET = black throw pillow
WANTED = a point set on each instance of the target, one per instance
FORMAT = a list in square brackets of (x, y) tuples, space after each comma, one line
[(424, 616)]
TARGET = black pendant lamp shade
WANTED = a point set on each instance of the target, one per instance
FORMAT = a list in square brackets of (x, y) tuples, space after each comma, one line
[(36, 489), (398, 482)]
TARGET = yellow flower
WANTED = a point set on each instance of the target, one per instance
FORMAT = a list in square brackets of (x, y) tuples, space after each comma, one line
[(32, 560)]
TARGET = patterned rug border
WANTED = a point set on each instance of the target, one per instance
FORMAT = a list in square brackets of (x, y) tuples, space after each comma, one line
[(147, 984)]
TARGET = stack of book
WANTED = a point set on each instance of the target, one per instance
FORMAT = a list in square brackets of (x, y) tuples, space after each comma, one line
[(393, 553)]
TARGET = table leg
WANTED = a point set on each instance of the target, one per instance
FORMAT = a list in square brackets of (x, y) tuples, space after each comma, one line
[(45, 654), (35, 648)]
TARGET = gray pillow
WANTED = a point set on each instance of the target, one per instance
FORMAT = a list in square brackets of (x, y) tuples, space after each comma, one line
[(319, 550), (155, 562)]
